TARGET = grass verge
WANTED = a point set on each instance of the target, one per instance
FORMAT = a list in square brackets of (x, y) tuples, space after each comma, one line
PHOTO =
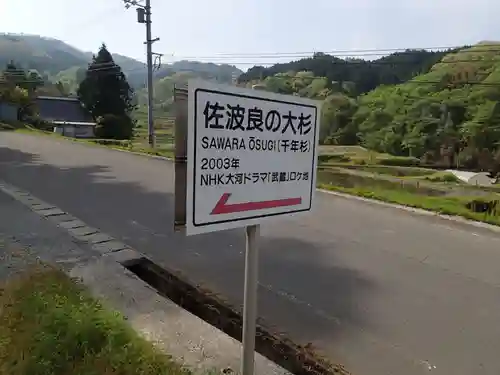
[(454, 206), (119, 145), (51, 325)]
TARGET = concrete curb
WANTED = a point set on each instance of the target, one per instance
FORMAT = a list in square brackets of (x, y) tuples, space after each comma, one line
[(76, 228), (193, 342)]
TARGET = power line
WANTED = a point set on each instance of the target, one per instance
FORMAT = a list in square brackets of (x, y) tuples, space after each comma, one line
[(110, 67), (352, 52), (343, 62)]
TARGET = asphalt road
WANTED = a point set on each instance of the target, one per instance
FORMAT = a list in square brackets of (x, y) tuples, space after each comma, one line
[(379, 289)]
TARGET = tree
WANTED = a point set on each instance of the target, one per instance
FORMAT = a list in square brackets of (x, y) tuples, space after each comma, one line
[(105, 91), (13, 76), (18, 87)]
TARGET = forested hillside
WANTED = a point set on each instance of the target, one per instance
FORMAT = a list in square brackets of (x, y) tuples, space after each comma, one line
[(396, 68), (452, 111), (448, 115)]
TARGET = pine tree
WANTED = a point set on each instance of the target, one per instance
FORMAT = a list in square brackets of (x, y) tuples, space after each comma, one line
[(107, 95)]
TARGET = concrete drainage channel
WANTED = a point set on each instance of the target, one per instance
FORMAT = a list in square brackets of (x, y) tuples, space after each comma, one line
[(199, 302), (207, 306)]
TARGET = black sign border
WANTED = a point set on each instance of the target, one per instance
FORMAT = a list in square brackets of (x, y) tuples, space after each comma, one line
[(313, 172)]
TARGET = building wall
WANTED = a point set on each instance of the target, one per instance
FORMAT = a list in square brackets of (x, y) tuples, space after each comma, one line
[(75, 131), (473, 178), (84, 131), (8, 112)]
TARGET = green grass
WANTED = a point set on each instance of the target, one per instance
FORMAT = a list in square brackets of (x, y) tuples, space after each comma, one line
[(448, 205), (133, 145), (385, 170), (357, 155), (49, 325), (6, 126), (446, 177), (12, 125)]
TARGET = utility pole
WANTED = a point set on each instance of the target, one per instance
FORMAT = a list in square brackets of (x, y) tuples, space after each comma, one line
[(144, 16)]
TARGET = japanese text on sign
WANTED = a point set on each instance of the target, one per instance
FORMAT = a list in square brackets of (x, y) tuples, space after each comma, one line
[(236, 117)]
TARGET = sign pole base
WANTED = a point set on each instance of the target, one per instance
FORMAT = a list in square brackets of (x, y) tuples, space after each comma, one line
[(250, 299)]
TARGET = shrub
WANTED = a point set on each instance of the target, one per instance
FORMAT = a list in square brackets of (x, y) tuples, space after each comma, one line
[(114, 127), (443, 177), (333, 157), (399, 161), (483, 206)]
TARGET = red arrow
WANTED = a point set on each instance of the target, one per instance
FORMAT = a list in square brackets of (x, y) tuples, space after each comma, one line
[(222, 208)]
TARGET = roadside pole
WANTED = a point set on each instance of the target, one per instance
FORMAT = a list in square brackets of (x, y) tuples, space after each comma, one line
[(144, 16), (149, 56), (251, 286), (250, 298)]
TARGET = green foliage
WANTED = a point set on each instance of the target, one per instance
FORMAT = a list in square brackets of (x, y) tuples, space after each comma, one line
[(365, 75), (388, 170), (108, 97), (114, 127), (399, 161), (19, 87), (325, 158), (104, 93), (443, 177), (448, 116), (491, 207)]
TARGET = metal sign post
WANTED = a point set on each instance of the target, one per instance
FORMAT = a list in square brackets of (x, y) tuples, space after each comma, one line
[(250, 294), (250, 298)]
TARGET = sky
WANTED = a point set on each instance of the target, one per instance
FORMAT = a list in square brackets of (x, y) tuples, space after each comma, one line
[(219, 30)]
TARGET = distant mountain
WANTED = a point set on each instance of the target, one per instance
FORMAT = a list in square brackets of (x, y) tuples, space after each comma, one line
[(47, 56), (58, 61)]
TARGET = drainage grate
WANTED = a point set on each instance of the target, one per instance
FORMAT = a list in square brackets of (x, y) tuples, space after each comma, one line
[(204, 304)]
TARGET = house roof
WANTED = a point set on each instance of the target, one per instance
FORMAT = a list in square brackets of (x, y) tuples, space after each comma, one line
[(74, 123), (62, 109), (60, 98)]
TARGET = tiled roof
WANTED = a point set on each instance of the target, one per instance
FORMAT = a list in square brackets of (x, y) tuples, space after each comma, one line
[(62, 109)]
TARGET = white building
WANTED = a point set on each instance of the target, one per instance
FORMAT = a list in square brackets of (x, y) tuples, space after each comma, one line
[(473, 178), (74, 129)]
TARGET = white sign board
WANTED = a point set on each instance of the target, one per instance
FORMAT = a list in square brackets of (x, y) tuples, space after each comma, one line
[(252, 155)]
